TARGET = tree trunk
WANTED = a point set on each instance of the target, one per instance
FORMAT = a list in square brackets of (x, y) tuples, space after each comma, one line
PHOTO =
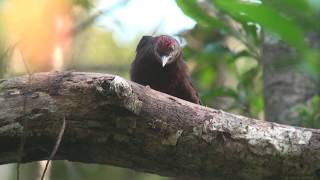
[(113, 121), (284, 86)]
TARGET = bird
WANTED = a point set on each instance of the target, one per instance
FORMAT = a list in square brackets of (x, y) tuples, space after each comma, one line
[(159, 64)]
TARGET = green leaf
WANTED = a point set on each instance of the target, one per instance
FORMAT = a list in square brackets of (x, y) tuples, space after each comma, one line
[(311, 65), (222, 92), (238, 55), (309, 113), (193, 10), (206, 77), (290, 5), (247, 77), (267, 17)]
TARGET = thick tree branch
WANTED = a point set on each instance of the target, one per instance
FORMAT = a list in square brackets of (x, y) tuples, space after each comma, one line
[(113, 121)]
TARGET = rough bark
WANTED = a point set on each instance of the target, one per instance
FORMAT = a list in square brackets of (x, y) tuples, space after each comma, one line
[(113, 121), (284, 85)]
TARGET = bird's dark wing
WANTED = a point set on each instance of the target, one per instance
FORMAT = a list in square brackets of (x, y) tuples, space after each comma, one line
[(196, 94), (184, 89), (193, 92)]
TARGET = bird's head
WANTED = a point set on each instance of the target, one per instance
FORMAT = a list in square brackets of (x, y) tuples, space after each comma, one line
[(167, 49), (164, 49)]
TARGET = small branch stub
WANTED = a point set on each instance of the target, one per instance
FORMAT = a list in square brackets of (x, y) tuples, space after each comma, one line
[(124, 92)]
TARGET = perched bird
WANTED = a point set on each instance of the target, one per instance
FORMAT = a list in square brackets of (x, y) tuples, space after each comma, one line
[(159, 63)]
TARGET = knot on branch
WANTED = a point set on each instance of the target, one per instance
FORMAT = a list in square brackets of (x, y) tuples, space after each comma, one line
[(121, 92)]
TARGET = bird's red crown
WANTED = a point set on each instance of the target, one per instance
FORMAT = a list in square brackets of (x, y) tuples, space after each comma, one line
[(164, 43)]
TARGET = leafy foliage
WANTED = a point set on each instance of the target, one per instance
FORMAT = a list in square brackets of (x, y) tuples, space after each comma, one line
[(266, 16), (192, 9), (309, 113), (242, 22)]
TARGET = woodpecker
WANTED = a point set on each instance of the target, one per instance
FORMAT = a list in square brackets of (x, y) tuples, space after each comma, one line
[(159, 64)]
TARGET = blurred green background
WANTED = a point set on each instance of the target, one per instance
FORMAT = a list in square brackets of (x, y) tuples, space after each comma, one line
[(223, 45)]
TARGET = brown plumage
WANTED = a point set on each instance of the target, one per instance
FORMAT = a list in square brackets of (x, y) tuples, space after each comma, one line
[(159, 63)]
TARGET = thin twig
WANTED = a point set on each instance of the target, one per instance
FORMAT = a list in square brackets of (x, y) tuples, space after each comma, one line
[(25, 120), (55, 149)]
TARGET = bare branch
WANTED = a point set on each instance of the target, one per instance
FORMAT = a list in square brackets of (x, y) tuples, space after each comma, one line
[(114, 121)]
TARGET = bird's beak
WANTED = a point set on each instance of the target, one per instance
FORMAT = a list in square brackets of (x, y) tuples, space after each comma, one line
[(164, 60)]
